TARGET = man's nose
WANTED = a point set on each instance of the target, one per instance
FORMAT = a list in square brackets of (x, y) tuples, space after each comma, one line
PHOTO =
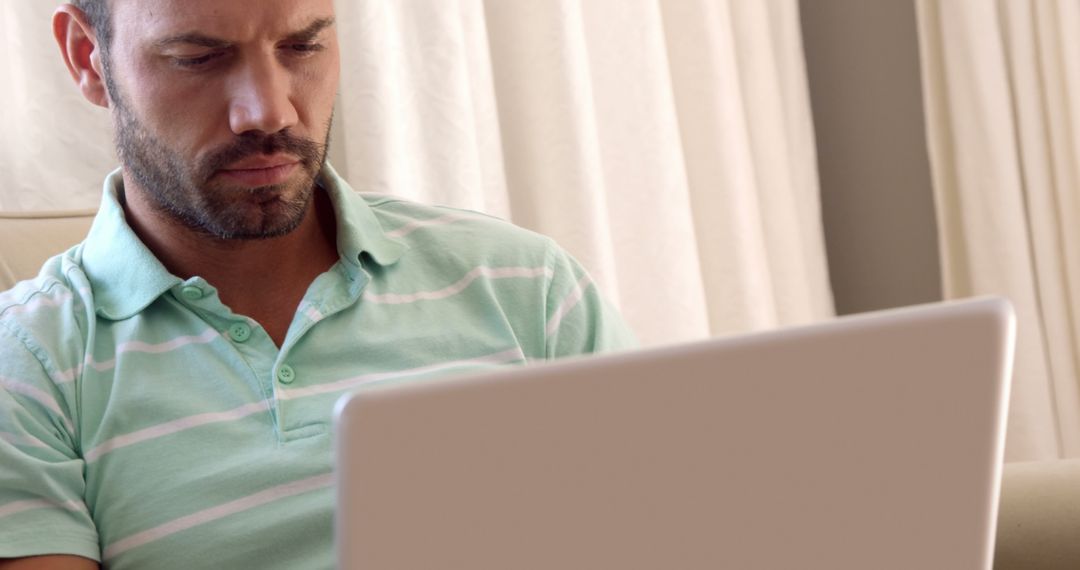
[(261, 99)]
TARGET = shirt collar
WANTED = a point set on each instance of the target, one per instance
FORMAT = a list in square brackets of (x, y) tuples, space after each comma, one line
[(126, 277), (358, 229)]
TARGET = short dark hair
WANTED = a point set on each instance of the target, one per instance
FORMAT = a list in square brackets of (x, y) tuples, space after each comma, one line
[(97, 11)]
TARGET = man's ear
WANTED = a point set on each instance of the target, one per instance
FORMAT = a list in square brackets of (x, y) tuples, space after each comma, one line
[(79, 47)]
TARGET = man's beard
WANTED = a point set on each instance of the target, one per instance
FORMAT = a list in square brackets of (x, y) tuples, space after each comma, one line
[(184, 192)]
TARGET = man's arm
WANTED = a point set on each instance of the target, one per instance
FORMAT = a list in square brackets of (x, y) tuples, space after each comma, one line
[(42, 486), (49, 563), (579, 320)]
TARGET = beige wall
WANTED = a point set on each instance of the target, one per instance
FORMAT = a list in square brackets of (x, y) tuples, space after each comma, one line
[(863, 65)]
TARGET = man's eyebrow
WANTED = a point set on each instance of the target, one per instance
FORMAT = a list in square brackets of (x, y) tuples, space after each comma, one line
[(308, 34), (192, 39), (311, 32)]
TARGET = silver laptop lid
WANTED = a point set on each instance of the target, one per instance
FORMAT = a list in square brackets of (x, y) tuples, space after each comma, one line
[(869, 442)]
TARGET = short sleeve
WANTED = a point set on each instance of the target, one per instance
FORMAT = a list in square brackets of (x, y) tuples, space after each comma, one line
[(579, 319), (42, 483)]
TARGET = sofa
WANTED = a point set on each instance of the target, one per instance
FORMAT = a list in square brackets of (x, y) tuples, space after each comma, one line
[(1039, 511), (1039, 516), (28, 239)]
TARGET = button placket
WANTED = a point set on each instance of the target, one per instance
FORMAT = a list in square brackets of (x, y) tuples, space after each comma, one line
[(331, 293)]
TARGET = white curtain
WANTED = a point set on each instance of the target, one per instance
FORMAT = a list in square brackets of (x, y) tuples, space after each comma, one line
[(667, 144), (1002, 87), (57, 148)]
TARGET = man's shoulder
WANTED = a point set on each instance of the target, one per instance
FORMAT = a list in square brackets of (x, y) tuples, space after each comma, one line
[(455, 230), (49, 305)]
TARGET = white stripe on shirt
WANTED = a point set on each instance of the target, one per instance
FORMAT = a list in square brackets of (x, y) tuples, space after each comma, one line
[(38, 396), (36, 302), (567, 305), (482, 271), (136, 347), (22, 440), (513, 355), (33, 504), (415, 225), (219, 512), (175, 426)]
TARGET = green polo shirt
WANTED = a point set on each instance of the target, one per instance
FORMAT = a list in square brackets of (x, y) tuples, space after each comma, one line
[(144, 424)]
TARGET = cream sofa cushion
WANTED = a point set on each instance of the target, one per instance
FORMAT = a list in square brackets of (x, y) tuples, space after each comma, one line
[(27, 240), (1039, 517)]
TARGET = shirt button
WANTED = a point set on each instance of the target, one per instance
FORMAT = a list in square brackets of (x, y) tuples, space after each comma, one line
[(285, 374), (240, 332), (192, 293)]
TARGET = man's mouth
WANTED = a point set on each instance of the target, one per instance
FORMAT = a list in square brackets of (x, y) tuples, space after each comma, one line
[(261, 171)]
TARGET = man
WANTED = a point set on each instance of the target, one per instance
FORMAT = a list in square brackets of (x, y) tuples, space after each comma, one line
[(166, 386)]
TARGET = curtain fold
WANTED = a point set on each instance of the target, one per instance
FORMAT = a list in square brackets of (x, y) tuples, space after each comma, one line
[(57, 148), (667, 144), (1002, 82)]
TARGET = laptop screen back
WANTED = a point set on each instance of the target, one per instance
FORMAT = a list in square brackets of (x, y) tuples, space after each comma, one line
[(869, 442)]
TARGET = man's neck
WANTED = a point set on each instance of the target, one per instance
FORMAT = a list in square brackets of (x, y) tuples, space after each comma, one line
[(263, 279)]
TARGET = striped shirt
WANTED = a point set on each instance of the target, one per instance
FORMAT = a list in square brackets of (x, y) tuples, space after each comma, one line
[(146, 425)]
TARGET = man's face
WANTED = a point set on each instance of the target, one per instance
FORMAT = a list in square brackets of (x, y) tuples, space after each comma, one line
[(223, 108)]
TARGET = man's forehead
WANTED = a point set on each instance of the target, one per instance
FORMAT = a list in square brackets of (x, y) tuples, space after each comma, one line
[(229, 20)]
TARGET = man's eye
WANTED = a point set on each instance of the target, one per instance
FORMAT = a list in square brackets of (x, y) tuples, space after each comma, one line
[(305, 48), (195, 62)]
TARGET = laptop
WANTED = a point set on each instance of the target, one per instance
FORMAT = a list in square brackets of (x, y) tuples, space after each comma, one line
[(872, 441)]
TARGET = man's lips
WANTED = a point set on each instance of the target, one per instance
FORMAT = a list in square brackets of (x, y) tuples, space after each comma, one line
[(263, 161), (261, 172)]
